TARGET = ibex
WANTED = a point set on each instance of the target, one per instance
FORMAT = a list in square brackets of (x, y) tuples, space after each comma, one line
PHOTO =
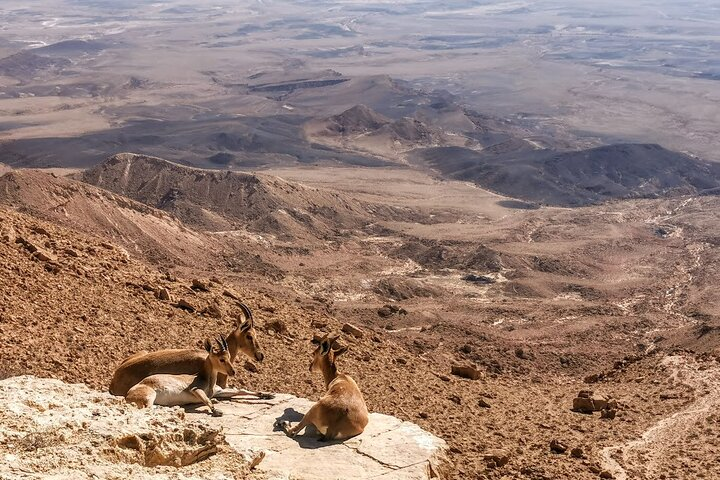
[(341, 413), (190, 362), (172, 390)]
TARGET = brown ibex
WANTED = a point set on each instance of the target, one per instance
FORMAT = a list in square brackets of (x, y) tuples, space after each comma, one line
[(171, 390), (186, 361), (341, 413)]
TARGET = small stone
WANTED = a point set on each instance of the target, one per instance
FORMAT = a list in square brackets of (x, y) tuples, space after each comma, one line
[(499, 457), (278, 326), (384, 312), (8, 234), (583, 405), (455, 399), (185, 305), (608, 413), (605, 474), (40, 231), (250, 367), (71, 253), (352, 330), (256, 460), (213, 310), (199, 285), (26, 243), (482, 403), (44, 256), (318, 323), (599, 402), (230, 294), (401, 361), (423, 415), (521, 354), (464, 371), (557, 447), (163, 294), (577, 452)]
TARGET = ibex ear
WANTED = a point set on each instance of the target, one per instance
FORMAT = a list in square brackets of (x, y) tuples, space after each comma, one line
[(325, 347), (208, 346), (340, 351)]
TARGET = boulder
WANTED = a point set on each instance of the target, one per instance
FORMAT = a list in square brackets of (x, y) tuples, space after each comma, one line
[(608, 413), (200, 285), (599, 402), (479, 279), (583, 405), (352, 330), (213, 310), (98, 435), (466, 371), (588, 402), (556, 446), (496, 458), (163, 294), (43, 255), (185, 305)]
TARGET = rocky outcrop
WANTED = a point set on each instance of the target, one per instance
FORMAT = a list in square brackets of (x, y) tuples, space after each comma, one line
[(389, 448), (71, 431), (48, 427)]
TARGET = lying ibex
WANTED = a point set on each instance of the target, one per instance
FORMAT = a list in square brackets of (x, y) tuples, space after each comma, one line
[(185, 361), (341, 413), (172, 390)]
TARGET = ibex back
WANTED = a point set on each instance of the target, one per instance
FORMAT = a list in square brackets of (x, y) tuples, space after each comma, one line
[(187, 361), (172, 390), (341, 413)]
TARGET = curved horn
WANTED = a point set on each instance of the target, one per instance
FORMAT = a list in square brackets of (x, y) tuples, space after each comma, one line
[(220, 345), (247, 313), (333, 338), (224, 342)]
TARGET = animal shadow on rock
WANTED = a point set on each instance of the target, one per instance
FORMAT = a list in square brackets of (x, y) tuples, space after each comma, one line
[(310, 438)]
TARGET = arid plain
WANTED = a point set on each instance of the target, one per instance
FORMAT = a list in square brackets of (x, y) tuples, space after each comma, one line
[(348, 162)]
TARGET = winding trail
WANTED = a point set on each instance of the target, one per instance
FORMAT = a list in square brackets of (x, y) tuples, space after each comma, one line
[(643, 457)]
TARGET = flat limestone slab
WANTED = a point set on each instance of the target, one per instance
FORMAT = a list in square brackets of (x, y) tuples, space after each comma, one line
[(389, 448)]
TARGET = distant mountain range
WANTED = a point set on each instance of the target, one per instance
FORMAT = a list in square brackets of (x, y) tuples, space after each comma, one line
[(581, 177)]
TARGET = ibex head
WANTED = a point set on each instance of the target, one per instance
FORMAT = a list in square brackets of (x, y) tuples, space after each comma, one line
[(220, 358), (324, 355), (245, 337)]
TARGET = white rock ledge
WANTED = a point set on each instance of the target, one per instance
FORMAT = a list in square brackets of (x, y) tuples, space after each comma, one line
[(51, 429), (389, 448)]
